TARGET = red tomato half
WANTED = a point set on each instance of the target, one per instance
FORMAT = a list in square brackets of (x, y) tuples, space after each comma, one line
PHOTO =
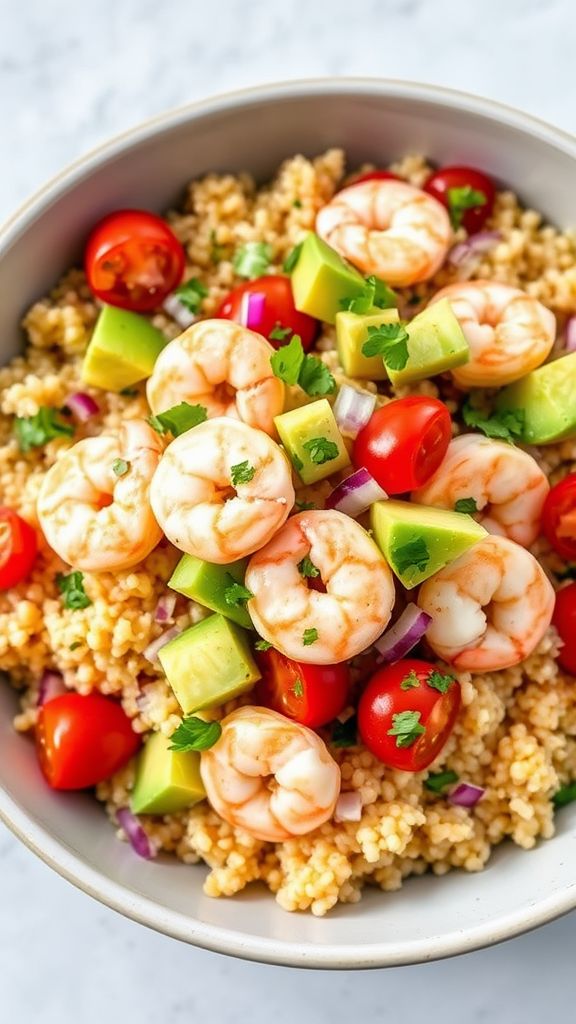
[(18, 547), (375, 176), (133, 260), (83, 740), (404, 442), (564, 619), (275, 310), (559, 518), (441, 183), (310, 694), (402, 719)]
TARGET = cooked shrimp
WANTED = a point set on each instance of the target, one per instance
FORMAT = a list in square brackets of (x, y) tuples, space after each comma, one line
[(270, 776), (387, 228), (509, 332), (305, 624), (222, 366), (94, 506), (506, 483), (490, 608), (199, 508)]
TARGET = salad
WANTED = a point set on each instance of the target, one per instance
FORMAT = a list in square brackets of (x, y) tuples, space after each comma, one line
[(288, 527)]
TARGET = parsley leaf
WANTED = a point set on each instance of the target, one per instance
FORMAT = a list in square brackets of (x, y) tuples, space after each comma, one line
[(178, 419), (35, 431), (344, 734), (309, 636), (414, 554), (195, 734), (292, 259), (279, 333), (304, 506), (252, 259), (71, 587), (374, 293), (216, 250), (287, 361), (506, 425), (262, 645), (191, 293), (298, 689), (565, 795), (321, 450), (120, 467), (406, 728), (390, 342), (439, 682), (241, 473), (75, 645), (315, 377), (236, 593), (297, 203), (129, 392), (410, 682), (307, 568), (462, 199), (467, 505), (438, 781)]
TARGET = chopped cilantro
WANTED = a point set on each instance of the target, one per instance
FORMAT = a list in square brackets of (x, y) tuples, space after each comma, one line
[(252, 259), (195, 734), (321, 450), (390, 342), (467, 505), (297, 203), (216, 250), (307, 568), (35, 431), (74, 646), (344, 734), (291, 365), (406, 728), (178, 419), (297, 461), (292, 259), (437, 781), (262, 645), (129, 392), (507, 425), (236, 593), (461, 199), (410, 682), (191, 293), (565, 795), (304, 506), (309, 636), (241, 473), (439, 682), (120, 467), (374, 293), (279, 333), (413, 554), (315, 377), (71, 586), (298, 689)]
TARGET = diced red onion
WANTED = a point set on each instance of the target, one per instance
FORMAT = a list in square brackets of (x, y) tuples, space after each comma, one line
[(51, 685), (252, 310), (348, 807), (353, 409), (151, 652), (165, 608), (465, 794), (570, 334), (82, 406), (183, 316), (135, 834), (466, 255), (397, 641), (355, 494)]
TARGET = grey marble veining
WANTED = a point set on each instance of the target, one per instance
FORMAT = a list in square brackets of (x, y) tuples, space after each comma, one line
[(72, 73)]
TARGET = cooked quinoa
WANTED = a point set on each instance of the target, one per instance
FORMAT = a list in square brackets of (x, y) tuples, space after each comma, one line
[(516, 732)]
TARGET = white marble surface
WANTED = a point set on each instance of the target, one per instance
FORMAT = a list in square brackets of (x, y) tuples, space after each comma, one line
[(71, 73)]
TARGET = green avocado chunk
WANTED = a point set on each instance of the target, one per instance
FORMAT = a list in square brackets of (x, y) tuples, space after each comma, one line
[(418, 541), (208, 664), (546, 400), (311, 437), (322, 281), (207, 584), (436, 342), (351, 335), (122, 350), (167, 781)]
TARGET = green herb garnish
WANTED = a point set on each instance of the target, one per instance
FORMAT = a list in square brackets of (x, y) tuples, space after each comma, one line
[(252, 259), (439, 682), (507, 425), (315, 377), (297, 203), (321, 450), (410, 682), (414, 554), (216, 249), (298, 689), (35, 431), (120, 467), (344, 734), (467, 505), (307, 568), (241, 473), (262, 645), (129, 392), (195, 734), (291, 365), (565, 795), (236, 593), (309, 636), (74, 646), (71, 587), (279, 333), (406, 728), (438, 781), (389, 341), (292, 259), (304, 506), (375, 293), (191, 293), (461, 199), (178, 419)]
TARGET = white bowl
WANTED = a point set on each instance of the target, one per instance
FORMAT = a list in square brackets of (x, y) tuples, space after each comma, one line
[(149, 166)]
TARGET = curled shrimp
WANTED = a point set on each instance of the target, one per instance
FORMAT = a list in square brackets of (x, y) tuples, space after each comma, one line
[(270, 776), (224, 367), (305, 624), (94, 506), (506, 483), (201, 510), (387, 228), (490, 608), (509, 332)]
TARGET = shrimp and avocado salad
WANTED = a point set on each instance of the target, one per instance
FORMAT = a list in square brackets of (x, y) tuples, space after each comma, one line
[(288, 526)]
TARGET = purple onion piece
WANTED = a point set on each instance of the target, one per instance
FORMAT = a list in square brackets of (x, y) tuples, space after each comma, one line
[(570, 334), (51, 686), (164, 612), (465, 255), (356, 494), (252, 310), (82, 406), (353, 409), (466, 794), (151, 652), (348, 807), (397, 641), (135, 834), (183, 316)]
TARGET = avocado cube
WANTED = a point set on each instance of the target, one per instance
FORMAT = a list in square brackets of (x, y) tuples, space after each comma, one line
[(207, 584), (122, 350), (436, 342), (351, 335), (208, 664), (167, 781), (546, 399), (311, 437), (322, 281), (418, 541)]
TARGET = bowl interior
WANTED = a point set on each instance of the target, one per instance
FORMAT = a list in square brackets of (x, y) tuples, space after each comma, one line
[(374, 121)]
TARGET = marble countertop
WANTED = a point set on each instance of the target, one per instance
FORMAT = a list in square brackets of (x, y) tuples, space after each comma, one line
[(71, 74)]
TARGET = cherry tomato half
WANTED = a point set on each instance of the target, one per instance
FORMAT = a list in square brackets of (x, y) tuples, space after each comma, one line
[(310, 694), (275, 310), (83, 740), (375, 176), (133, 260), (18, 547), (403, 719), (559, 518), (473, 217), (404, 442), (564, 619)]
